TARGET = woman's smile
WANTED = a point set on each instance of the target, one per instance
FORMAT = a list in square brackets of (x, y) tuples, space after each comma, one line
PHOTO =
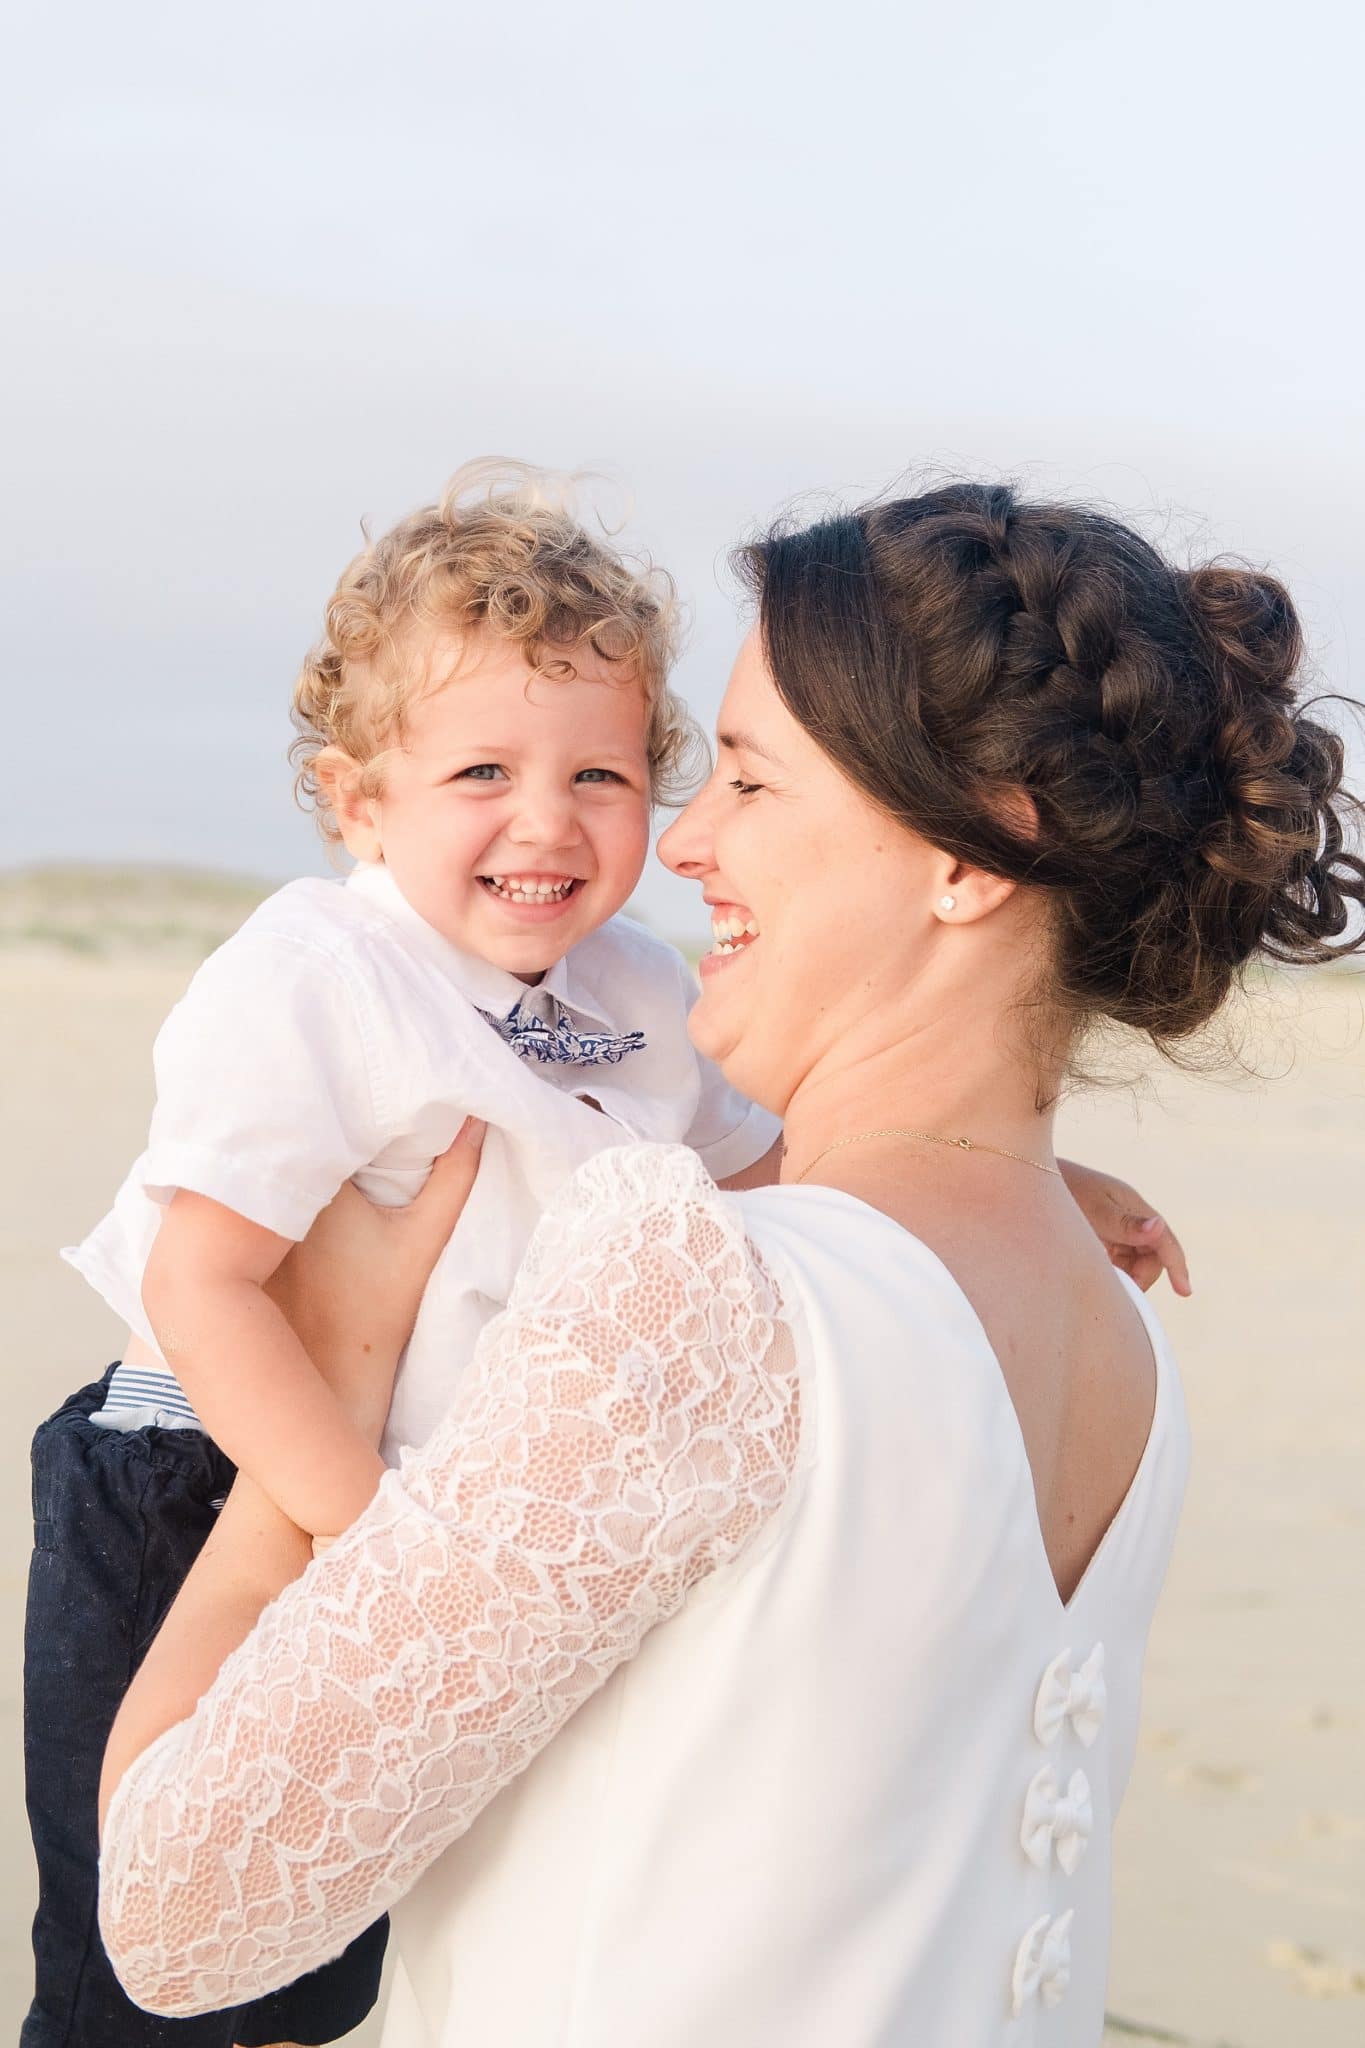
[(734, 929)]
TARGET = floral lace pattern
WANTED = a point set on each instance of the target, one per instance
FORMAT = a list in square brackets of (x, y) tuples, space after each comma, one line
[(625, 1428)]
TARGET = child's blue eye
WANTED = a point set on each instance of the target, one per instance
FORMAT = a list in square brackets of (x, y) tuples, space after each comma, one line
[(482, 771), (746, 788), (606, 774)]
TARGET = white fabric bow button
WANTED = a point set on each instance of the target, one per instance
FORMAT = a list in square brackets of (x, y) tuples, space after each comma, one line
[(1043, 1963), (1075, 1696), (1054, 1817)]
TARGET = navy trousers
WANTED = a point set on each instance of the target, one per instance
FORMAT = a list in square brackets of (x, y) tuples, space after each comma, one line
[(119, 1517)]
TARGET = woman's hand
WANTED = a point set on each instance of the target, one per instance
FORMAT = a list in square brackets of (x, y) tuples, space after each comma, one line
[(352, 1288), (1139, 1242)]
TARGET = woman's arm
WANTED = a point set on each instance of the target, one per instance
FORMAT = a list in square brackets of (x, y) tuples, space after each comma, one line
[(350, 1294), (492, 1587), (252, 1555)]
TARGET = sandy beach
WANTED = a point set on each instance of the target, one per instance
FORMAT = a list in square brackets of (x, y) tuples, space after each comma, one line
[(1240, 1907)]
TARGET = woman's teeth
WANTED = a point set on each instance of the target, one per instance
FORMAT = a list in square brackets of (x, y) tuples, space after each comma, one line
[(528, 888), (732, 934)]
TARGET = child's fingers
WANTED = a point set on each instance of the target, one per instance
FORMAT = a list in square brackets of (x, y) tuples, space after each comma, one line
[(1152, 1244), (1163, 1245), (1143, 1268)]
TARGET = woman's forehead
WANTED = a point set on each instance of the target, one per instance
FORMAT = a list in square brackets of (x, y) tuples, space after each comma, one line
[(751, 698), (753, 717)]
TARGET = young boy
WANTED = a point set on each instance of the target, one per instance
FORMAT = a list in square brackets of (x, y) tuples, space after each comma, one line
[(486, 725)]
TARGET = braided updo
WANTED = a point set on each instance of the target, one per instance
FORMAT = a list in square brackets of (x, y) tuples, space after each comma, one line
[(952, 650)]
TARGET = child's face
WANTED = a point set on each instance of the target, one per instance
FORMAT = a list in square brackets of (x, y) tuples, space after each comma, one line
[(502, 781)]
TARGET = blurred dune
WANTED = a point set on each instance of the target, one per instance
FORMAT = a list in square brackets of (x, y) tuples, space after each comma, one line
[(97, 912), (1240, 1897)]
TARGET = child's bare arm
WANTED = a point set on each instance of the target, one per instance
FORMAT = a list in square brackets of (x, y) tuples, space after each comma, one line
[(247, 1375)]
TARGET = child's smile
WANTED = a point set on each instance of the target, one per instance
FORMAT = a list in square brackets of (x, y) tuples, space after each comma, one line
[(539, 898)]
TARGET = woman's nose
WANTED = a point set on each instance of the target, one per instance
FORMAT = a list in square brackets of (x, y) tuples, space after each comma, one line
[(685, 846)]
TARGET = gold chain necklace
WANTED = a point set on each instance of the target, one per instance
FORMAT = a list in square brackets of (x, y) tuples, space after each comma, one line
[(928, 1138)]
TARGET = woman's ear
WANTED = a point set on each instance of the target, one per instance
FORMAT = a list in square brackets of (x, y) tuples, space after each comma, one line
[(965, 893), (357, 815)]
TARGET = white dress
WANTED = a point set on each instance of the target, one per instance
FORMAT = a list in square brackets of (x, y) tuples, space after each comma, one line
[(723, 1581)]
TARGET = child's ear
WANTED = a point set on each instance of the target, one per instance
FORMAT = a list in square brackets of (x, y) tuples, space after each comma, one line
[(357, 815)]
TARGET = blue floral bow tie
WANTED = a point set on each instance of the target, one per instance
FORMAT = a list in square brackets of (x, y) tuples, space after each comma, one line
[(558, 1044)]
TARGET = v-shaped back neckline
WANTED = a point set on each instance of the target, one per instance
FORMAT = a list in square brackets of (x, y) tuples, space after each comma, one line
[(1066, 1608)]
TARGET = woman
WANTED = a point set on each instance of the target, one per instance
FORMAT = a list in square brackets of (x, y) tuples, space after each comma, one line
[(859, 1489)]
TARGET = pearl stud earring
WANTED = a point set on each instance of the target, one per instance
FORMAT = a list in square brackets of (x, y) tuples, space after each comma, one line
[(947, 903)]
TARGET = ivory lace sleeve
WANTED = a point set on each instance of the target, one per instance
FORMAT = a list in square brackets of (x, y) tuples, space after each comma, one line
[(623, 1429)]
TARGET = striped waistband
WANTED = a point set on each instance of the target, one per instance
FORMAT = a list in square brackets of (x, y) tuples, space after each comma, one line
[(145, 1397)]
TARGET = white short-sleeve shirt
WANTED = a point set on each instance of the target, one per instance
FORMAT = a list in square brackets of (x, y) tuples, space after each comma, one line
[(337, 1035)]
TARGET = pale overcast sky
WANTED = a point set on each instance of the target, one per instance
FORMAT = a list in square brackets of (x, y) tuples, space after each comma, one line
[(280, 267)]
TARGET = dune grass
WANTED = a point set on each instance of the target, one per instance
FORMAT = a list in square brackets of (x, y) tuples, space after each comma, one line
[(99, 912)]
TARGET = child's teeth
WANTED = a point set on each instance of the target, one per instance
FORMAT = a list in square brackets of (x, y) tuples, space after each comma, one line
[(530, 889)]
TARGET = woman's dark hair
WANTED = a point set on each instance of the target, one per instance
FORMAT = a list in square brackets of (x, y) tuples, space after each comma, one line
[(951, 649)]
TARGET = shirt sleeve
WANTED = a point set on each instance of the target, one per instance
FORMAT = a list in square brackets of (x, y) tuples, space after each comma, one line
[(728, 1131), (626, 1427), (265, 1090)]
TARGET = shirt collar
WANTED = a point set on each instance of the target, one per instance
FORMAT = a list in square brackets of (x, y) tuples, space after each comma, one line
[(487, 987), (569, 982)]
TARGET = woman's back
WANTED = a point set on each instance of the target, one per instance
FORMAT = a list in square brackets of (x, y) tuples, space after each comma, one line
[(865, 1706), (1075, 1354)]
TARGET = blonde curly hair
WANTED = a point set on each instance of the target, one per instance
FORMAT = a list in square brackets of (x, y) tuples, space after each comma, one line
[(503, 552)]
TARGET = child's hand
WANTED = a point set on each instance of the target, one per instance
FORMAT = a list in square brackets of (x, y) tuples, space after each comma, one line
[(351, 1290), (1139, 1242)]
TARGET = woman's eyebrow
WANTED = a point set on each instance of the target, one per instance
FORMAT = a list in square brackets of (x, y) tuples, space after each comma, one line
[(745, 742)]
